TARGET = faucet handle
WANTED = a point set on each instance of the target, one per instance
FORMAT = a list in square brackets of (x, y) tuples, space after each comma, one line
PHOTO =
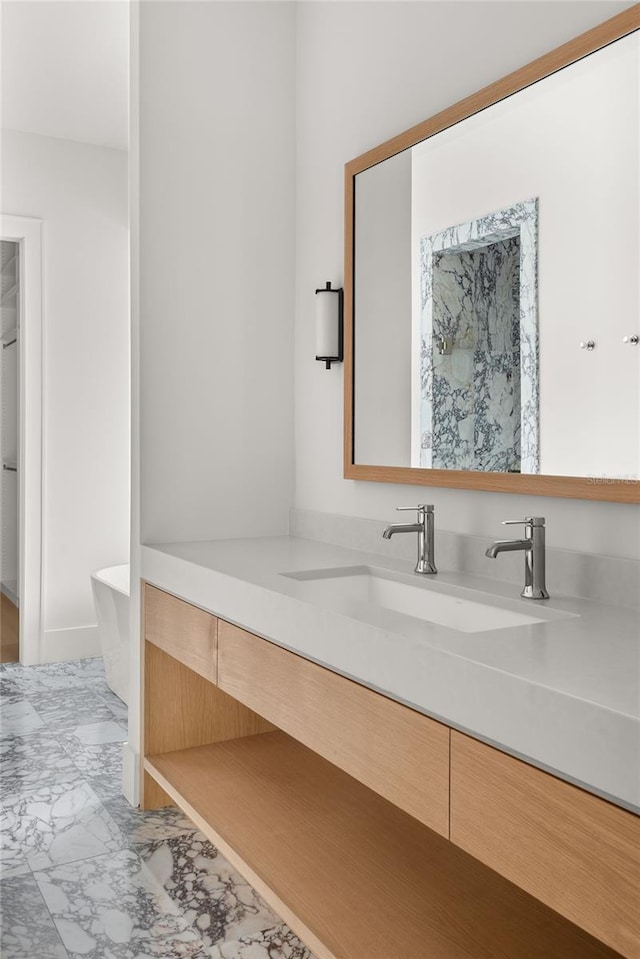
[(428, 508), (527, 521)]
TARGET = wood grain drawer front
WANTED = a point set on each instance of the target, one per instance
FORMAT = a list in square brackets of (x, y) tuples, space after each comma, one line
[(578, 854), (183, 631), (399, 753)]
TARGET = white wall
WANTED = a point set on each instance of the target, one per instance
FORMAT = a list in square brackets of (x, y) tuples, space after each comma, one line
[(80, 192), (217, 259), (391, 66), (65, 69)]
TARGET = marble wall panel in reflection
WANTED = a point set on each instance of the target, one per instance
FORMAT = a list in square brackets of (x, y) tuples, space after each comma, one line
[(479, 395)]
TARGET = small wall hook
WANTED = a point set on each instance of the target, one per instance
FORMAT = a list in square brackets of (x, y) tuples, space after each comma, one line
[(588, 345), (632, 340)]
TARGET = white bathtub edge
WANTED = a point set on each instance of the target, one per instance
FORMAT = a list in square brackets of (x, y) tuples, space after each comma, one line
[(112, 576)]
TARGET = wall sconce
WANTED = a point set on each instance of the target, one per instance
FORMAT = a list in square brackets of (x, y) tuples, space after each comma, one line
[(329, 325)]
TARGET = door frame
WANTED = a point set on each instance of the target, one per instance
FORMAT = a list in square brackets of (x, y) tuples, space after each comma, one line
[(27, 232)]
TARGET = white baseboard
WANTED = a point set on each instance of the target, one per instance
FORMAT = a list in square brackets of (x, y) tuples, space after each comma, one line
[(61, 645), (130, 775)]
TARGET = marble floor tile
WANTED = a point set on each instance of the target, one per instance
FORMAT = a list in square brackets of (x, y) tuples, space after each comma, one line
[(217, 901), (27, 762), (8, 689), (78, 674), (97, 734), (93, 760), (63, 710), (17, 718), (140, 827), (279, 942), (12, 860), (58, 823), (113, 907), (27, 931), (107, 783), (119, 709)]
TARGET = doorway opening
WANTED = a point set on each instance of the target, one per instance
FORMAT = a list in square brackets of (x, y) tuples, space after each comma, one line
[(9, 420), (20, 439)]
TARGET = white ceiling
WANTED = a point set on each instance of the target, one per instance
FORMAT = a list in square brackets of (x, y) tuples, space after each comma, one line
[(64, 69)]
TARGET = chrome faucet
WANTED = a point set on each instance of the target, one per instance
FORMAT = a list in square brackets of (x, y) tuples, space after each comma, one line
[(534, 554), (425, 529)]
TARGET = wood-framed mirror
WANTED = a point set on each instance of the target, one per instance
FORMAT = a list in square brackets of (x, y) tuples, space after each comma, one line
[(491, 289)]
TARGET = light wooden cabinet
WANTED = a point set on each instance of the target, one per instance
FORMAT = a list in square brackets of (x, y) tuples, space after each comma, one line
[(573, 851), (396, 751), (333, 801), (182, 630)]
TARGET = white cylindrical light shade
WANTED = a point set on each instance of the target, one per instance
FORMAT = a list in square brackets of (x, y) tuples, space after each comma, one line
[(327, 324)]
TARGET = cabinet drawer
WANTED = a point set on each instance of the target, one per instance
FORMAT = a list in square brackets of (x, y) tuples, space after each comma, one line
[(399, 753), (578, 854), (183, 631)]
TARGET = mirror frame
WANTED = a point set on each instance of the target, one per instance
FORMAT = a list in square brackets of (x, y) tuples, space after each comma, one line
[(576, 487)]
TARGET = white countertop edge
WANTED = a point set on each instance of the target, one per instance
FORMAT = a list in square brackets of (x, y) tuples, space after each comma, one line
[(584, 743)]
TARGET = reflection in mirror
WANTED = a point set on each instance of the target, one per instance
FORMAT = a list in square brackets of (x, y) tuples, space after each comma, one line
[(483, 257), (478, 400)]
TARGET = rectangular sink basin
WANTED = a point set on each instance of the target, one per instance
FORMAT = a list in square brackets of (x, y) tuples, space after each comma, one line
[(348, 588)]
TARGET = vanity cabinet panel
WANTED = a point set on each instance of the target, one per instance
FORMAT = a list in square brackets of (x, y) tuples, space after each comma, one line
[(578, 854), (182, 709), (183, 631), (302, 810), (396, 751)]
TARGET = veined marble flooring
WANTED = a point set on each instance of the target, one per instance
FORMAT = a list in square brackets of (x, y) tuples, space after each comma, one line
[(82, 873)]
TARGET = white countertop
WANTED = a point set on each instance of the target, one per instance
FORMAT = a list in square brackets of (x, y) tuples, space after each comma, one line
[(563, 694)]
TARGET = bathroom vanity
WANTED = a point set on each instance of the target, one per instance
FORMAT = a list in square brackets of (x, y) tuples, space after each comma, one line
[(344, 756)]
